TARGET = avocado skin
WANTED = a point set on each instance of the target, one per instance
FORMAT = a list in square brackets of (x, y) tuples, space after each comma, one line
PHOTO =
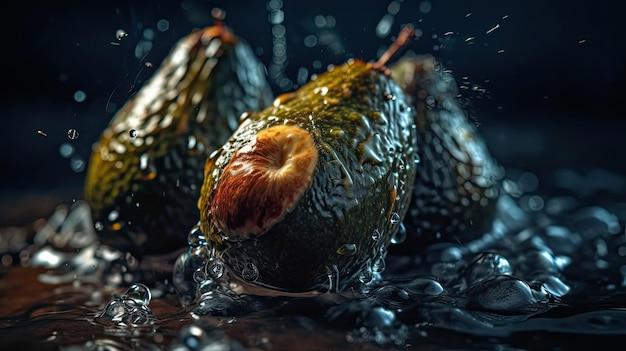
[(209, 78), (457, 181), (364, 132)]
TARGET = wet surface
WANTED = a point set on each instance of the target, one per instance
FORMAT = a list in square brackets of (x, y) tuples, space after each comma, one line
[(551, 276)]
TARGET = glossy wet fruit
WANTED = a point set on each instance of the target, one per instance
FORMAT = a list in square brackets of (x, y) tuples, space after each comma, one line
[(308, 193), (457, 180), (146, 171)]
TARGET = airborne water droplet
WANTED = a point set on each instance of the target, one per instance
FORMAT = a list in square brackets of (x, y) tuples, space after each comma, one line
[(121, 34), (72, 134)]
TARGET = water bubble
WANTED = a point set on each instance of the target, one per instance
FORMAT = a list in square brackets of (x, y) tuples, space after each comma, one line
[(72, 134), (425, 6), (79, 96), (163, 25), (555, 286), (190, 338), (487, 265), (199, 275), (133, 133), (347, 249), (77, 164), (218, 14), (139, 293), (505, 293), (310, 41), (250, 272), (66, 150), (214, 268)]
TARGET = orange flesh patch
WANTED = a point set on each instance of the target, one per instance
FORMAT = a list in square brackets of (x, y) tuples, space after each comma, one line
[(264, 181)]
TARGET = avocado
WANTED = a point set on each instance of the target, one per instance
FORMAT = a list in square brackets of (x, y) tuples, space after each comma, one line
[(307, 193), (457, 181), (145, 172)]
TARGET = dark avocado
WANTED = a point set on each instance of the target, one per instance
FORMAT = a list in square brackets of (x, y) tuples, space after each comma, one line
[(457, 180), (145, 172), (289, 224)]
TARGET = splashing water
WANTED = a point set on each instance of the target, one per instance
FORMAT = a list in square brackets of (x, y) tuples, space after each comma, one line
[(551, 268)]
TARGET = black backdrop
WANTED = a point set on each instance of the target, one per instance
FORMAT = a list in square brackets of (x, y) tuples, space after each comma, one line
[(554, 95)]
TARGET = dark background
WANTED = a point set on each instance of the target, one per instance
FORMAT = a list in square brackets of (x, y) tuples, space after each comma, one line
[(554, 98)]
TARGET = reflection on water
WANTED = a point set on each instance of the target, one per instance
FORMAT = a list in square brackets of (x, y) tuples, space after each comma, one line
[(550, 266)]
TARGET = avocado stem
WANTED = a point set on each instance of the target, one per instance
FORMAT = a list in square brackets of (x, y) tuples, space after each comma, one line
[(403, 38)]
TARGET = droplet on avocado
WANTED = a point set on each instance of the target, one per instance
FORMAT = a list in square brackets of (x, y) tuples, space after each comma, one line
[(395, 218), (376, 235), (399, 236), (347, 249)]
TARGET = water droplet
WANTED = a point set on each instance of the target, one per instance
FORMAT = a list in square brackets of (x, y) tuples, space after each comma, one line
[(347, 249), (399, 236), (380, 265), (376, 235), (389, 97), (66, 150), (196, 237), (215, 268), (163, 25), (133, 133), (113, 216), (250, 272), (121, 34), (218, 14), (138, 293), (395, 218), (79, 96), (366, 275), (72, 134), (199, 275), (98, 226)]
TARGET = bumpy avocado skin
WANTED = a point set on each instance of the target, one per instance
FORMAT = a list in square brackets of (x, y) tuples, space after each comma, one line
[(457, 181), (145, 172), (364, 132)]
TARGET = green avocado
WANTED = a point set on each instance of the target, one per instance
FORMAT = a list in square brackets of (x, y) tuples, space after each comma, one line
[(336, 225), (145, 172), (457, 181)]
